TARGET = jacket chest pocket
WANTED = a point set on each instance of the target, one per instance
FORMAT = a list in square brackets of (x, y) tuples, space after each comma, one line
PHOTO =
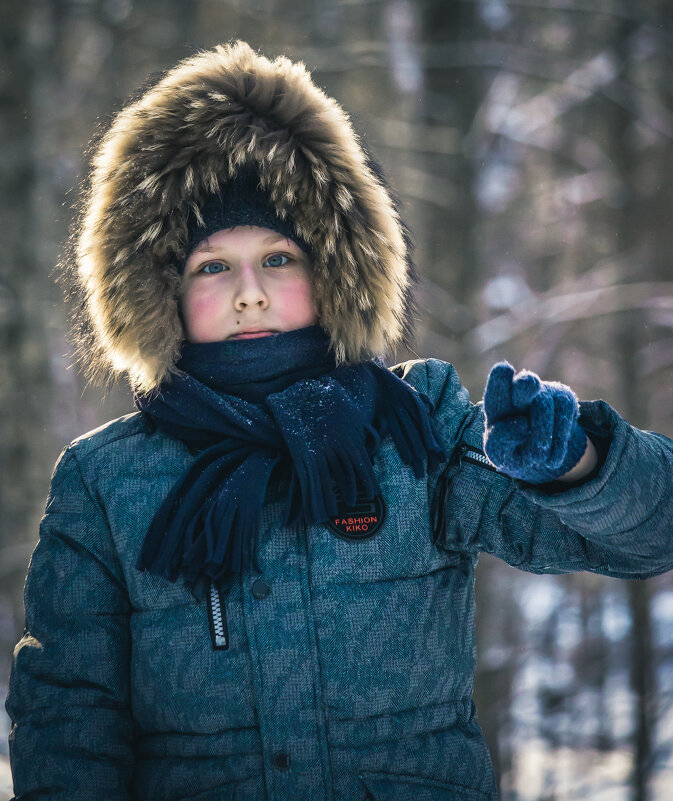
[(187, 658), (387, 538), (391, 787)]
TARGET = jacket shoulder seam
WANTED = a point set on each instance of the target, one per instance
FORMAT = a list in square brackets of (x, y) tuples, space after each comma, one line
[(85, 448)]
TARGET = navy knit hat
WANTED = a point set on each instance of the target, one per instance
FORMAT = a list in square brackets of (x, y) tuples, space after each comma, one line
[(240, 202)]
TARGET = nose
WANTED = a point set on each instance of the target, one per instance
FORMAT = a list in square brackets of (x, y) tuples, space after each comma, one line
[(250, 292)]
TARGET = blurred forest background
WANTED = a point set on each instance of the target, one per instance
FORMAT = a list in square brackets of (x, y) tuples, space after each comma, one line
[(530, 143)]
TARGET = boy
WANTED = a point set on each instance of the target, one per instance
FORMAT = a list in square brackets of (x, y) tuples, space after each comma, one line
[(259, 586)]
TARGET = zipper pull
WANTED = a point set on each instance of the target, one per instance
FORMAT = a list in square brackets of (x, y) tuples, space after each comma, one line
[(217, 619)]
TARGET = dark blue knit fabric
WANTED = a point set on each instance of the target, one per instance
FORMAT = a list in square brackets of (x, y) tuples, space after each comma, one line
[(241, 201), (254, 368), (531, 429), (323, 430)]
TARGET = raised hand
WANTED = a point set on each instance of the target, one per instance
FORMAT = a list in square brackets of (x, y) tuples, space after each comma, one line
[(531, 430)]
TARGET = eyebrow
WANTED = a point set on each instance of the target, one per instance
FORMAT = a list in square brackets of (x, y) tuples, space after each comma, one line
[(205, 247)]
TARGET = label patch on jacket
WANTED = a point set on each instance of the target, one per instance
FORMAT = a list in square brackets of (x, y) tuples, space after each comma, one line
[(360, 521)]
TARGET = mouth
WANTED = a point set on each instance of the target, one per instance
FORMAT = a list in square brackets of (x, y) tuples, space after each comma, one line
[(253, 334)]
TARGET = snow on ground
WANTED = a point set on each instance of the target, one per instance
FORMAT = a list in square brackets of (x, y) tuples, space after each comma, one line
[(5, 779)]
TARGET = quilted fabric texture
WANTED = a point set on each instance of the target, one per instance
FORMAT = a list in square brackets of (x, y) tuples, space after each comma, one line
[(345, 670)]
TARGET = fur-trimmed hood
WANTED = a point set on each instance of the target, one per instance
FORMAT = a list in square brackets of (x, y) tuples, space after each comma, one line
[(212, 114)]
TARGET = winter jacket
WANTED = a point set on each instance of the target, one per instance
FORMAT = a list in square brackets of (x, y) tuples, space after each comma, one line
[(344, 671)]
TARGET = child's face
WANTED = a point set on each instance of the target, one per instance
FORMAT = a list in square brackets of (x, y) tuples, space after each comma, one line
[(246, 278)]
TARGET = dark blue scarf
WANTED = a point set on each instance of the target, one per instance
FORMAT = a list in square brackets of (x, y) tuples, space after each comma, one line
[(250, 406)]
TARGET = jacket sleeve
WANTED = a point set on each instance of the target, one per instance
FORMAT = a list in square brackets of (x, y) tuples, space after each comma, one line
[(617, 523), (68, 697)]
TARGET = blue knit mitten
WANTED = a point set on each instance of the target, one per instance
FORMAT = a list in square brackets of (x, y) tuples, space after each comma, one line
[(531, 430)]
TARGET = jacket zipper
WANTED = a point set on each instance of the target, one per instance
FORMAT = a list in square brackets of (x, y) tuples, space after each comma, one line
[(217, 619), (476, 456), (466, 453)]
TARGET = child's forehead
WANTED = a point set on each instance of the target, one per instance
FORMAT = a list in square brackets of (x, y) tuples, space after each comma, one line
[(242, 235)]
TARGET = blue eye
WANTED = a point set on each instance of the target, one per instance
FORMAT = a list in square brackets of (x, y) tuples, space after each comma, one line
[(216, 266), (277, 256)]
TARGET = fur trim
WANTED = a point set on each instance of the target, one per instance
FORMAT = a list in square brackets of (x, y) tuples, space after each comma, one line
[(164, 153)]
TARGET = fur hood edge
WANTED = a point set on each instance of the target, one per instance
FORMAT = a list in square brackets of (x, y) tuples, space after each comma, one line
[(208, 117)]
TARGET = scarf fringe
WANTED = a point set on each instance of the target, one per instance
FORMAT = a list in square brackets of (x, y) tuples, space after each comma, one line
[(203, 539), (312, 497), (405, 414)]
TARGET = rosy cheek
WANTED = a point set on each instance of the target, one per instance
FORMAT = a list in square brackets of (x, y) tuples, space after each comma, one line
[(199, 312), (297, 301)]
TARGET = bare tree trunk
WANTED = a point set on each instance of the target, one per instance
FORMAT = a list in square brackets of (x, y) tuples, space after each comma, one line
[(25, 385), (628, 341), (642, 682)]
